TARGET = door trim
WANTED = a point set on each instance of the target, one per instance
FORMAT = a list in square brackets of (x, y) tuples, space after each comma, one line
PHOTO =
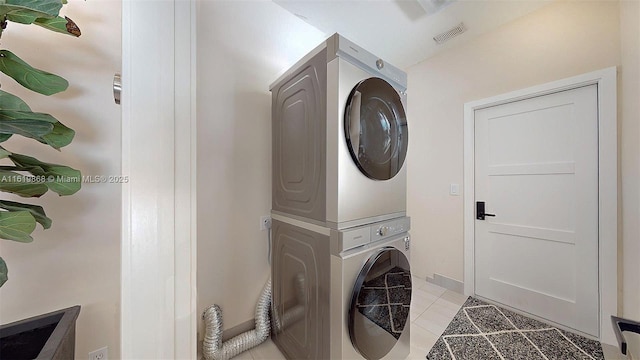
[(607, 183), (158, 244)]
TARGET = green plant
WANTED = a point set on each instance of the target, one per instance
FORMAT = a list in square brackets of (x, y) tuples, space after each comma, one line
[(20, 174)]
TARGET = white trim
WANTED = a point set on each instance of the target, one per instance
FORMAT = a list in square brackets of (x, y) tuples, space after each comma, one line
[(158, 277), (186, 318), (607, 183)]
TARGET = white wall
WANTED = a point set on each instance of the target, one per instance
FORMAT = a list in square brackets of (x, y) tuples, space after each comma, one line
[(242, 48), (77, 260), (629, 127), (560, 40)]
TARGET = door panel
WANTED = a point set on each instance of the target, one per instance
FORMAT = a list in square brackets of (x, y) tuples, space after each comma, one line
[(536, 167)]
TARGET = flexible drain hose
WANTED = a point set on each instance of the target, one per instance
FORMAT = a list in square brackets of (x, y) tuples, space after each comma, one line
[(214, 349)]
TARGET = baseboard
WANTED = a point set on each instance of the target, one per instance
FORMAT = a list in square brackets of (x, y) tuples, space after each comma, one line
[(447, 283)]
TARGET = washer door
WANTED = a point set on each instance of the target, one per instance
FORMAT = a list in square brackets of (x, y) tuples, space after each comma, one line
[(380, 303), (375, 127)]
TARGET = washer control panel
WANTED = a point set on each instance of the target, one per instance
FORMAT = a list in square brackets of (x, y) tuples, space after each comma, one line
[(390, 228), (352, 238)]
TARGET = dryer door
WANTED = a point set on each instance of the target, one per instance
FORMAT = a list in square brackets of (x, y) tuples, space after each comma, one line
[(375, 127), (380, 303)]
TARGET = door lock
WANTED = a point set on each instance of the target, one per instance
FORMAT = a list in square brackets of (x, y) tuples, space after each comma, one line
[(480, 214)]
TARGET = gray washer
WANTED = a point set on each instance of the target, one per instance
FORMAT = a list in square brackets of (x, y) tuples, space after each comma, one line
[(341, 294)]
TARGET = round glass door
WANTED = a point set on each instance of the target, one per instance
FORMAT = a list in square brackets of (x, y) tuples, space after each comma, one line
[(380, 303), (375, 127)]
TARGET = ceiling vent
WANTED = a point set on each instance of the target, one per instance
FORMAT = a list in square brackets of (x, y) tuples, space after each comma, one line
[(449, 34)]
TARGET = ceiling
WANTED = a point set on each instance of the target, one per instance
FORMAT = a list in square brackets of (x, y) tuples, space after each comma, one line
[(401, 31)]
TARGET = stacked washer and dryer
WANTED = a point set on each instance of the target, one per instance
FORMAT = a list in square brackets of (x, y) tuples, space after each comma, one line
[(340, 249)]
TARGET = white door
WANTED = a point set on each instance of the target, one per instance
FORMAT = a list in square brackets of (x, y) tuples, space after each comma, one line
[(536, 168)]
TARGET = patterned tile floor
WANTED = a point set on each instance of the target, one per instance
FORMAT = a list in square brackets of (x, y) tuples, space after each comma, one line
[(432, 309)]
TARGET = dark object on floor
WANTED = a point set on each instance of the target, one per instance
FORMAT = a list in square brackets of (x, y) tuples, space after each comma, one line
[(484, 331), (385, 300), (50, 336), (620, 325)]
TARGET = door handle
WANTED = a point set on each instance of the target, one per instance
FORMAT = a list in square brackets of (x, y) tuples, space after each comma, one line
[(480, 214), (117, 87)]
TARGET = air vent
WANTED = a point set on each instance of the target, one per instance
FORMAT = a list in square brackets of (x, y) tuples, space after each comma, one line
[(449, 34)]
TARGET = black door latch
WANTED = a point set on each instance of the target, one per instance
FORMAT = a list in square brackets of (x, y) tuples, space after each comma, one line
[(480, 214)]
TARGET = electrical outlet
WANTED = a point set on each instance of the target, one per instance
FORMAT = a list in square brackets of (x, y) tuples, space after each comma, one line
[(265, 222), (100, 354)]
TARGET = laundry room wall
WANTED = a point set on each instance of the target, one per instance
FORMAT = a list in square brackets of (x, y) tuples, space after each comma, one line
[(242, 48), (77, 260), (562, 39), (629, 133)]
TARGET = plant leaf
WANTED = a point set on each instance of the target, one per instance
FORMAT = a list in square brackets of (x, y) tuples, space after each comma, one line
[(4, 137), (21, 17), (4, 153), (39, 126), (18, 184), (62, 180), (27, 124), (26, 115), (11, 102), (37, 8), (60, 136), (36, 211), (17, 225), (60, 24), (3, 272), (33, 79), (27, 128)]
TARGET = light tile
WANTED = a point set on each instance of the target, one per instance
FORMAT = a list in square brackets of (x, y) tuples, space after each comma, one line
[(612, 353), (422, 298), (433, 289), (267, 351), (417, 283), (422, 339), (445, 307), (433, 320), (415, 312), (454, 297), (420, 301)]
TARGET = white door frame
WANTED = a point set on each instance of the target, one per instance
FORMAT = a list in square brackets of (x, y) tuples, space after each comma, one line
[(158, 268), (607, 183)]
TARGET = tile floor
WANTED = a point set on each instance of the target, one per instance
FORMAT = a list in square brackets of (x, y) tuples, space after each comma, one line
[(432, 308)]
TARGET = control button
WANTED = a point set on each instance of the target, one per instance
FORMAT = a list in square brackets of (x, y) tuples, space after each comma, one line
[(383, 231), (379, 64)]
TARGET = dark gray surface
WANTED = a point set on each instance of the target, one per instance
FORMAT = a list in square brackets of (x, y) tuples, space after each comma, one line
[(481, 330), (299, 117), (300, 275), (61, 342)]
